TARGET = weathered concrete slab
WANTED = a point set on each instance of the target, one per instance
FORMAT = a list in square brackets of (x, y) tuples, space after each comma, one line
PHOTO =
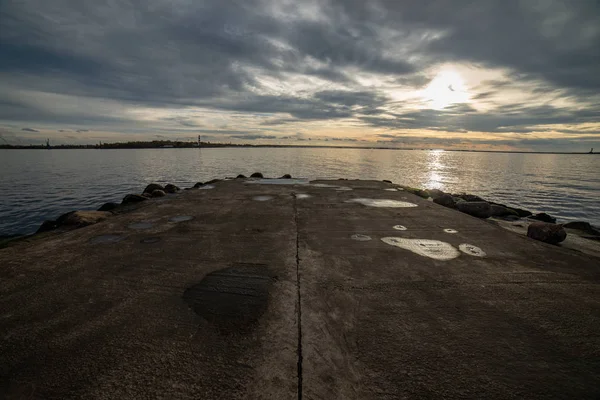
[(153, 303), (117, 319), (380, 321)]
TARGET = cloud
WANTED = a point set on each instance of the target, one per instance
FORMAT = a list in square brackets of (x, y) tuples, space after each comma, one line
[(178, 65), (29, 130), (254, 137)]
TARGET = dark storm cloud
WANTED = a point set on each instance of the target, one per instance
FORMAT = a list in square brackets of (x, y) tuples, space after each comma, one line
[(216, 54), (462, 118)]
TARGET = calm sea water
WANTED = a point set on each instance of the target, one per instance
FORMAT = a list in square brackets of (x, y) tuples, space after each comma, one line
[(36, 185)]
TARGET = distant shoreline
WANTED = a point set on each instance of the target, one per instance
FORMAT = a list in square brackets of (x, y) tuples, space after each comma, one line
[(193, 145)]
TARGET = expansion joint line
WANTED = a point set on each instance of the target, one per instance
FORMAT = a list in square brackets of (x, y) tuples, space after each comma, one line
[(299, 299)]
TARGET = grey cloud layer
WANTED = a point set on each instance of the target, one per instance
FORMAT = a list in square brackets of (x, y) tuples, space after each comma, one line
[(215, 54)]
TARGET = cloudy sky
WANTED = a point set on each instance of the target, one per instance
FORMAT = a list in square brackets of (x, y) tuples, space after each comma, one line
[(445, 74)]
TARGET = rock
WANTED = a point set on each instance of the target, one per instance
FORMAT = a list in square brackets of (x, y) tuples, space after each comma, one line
[(212, 181), (256, 175), (240, 176), (501, 211), (147, 195), (582, 226), (286, 176), (520, 212), (80, 219), (170, 188), (435, 193), (458, 199), (47, 226), (511, 217), (546, 232), (445, 200), (108, 206), (479, 209), (158, 193), (470, 197), (387, 181), (198, 184), (133, 198), (152, 187), (419, 192), (543, 217)]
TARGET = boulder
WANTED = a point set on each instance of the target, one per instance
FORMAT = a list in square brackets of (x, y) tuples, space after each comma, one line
[(470, 197), (419, 192), (152, 187), (445, 200), (240, 176), (582, 226), (198, 184), (458, 199), (170, 188), (47, 226), (147, 195), (158, 193), (212, 181), (546, 232), (133, 198), (286, 176), (78, 219), (435, 193), (502, 211), (479, 209), (108, 206), (387, 181), (520, 212), (543, 217), (256, 175)]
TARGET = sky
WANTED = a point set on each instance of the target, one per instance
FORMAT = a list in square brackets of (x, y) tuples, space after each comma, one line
[(452, 74)]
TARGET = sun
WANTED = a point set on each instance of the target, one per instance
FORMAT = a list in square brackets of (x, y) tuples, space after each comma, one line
[(447, 88)]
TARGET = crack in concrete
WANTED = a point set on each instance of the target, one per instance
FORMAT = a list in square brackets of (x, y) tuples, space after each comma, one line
[(299, 298)]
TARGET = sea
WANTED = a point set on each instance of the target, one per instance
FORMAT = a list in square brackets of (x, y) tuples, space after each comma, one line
[(36, 185)]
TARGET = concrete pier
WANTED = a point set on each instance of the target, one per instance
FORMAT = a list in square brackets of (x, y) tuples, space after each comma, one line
[(284, 289)]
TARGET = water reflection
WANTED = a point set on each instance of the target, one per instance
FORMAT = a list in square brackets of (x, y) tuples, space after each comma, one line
[(435, 166)]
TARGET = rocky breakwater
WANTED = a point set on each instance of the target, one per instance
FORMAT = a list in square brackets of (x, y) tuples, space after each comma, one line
[(80, 218), (541, 226)]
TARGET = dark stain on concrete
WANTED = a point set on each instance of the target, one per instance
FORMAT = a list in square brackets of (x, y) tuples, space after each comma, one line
[(141, 225), (106, 239), (232, 299), (181, 218), (150, 240)]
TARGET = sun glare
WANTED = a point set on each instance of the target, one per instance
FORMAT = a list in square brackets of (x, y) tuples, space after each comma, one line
[(447, 88)]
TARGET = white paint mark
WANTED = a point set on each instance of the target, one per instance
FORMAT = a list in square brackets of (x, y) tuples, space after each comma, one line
[(424, 247), (382, 203), (449, 230), (206, 187), (322, 185), (262, 198), (360, 238), (399, 227), (471, 250), (343, 189), (391, 190), (302, 196)]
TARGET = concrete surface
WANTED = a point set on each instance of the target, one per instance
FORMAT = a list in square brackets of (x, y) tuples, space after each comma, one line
[(266, 292)]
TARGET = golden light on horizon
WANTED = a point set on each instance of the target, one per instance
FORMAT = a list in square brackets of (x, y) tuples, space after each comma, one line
[(447, 88)]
